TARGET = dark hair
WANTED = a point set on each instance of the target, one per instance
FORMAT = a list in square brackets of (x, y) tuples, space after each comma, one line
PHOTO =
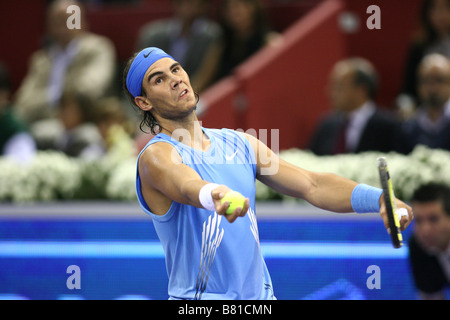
[(260, 17), (369, 81), (433, 192), (84, 103), (429, 33), (365, 75), (148, 118)]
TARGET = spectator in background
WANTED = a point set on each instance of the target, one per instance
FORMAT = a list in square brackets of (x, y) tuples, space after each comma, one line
[(114, 125), (429, 246), (15, 140), (246, 30), (73, 60), (190, 37), (80, 137), (430, 127), (433, 37), (356, 124)]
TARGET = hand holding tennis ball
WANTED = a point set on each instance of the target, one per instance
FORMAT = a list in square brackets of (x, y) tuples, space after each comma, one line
[(235, 199), (227, 201)]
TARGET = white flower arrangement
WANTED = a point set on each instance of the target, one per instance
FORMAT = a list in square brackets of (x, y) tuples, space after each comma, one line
[(121, 183), (10, 177), (49, 176), (53, 176)]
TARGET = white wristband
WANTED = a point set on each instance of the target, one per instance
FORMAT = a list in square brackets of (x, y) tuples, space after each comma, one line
[(401, 212), (205, 196)]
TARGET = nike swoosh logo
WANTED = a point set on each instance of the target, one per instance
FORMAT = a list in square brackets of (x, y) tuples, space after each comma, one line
[(146, 55), (231, 157)]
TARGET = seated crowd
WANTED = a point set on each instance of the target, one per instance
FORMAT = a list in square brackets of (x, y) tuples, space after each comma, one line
[(69, 99)]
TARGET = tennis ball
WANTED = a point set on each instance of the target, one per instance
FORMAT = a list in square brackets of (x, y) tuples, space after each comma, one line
[(236, 200)]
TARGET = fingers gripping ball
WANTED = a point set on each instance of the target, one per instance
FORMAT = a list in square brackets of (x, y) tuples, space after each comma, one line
[(235, 199)]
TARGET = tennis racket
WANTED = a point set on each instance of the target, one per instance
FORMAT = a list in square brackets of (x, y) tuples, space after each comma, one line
[(389, 200)]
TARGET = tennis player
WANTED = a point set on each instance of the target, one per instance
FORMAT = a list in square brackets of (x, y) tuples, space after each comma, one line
[(186, 169)]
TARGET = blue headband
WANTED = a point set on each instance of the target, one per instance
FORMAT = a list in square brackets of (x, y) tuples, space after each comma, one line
[(139, 67)]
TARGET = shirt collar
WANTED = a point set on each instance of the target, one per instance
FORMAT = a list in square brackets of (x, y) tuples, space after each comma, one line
[(426, 124), (362, 113), (69, 52)]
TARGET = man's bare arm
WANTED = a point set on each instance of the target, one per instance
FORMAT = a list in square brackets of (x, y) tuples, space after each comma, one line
[(324, 190), (165, 179)]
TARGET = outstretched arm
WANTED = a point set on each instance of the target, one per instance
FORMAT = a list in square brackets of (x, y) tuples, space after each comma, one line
[(324, 190)]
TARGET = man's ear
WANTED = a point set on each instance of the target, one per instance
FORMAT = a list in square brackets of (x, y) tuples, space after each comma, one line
[(143, 103)]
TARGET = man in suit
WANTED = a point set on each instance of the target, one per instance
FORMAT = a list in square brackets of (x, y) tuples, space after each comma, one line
[(73, 60), (431, 124), (429, 245), (356, 123)]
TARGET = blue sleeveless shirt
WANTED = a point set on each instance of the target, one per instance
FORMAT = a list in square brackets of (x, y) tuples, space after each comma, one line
[(206, 256)]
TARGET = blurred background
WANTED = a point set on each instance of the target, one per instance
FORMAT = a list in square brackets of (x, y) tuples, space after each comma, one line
[(328, 84)]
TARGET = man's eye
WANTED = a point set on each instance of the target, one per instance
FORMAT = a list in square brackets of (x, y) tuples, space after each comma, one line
[(158, 81), (175, 70)]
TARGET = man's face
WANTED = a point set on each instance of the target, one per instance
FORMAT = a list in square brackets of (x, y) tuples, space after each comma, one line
[(432, 224), (439, 16), (434, 86), (240, 15), (56, 24), (342, 89), (168, 89), (189, 10)]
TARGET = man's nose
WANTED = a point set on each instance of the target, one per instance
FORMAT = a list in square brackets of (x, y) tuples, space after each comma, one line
[(176, 81)]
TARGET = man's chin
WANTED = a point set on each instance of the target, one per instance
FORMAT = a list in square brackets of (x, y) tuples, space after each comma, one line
[(429, 246)]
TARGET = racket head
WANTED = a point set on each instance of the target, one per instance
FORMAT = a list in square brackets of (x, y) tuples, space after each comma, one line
[(389, 200)]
